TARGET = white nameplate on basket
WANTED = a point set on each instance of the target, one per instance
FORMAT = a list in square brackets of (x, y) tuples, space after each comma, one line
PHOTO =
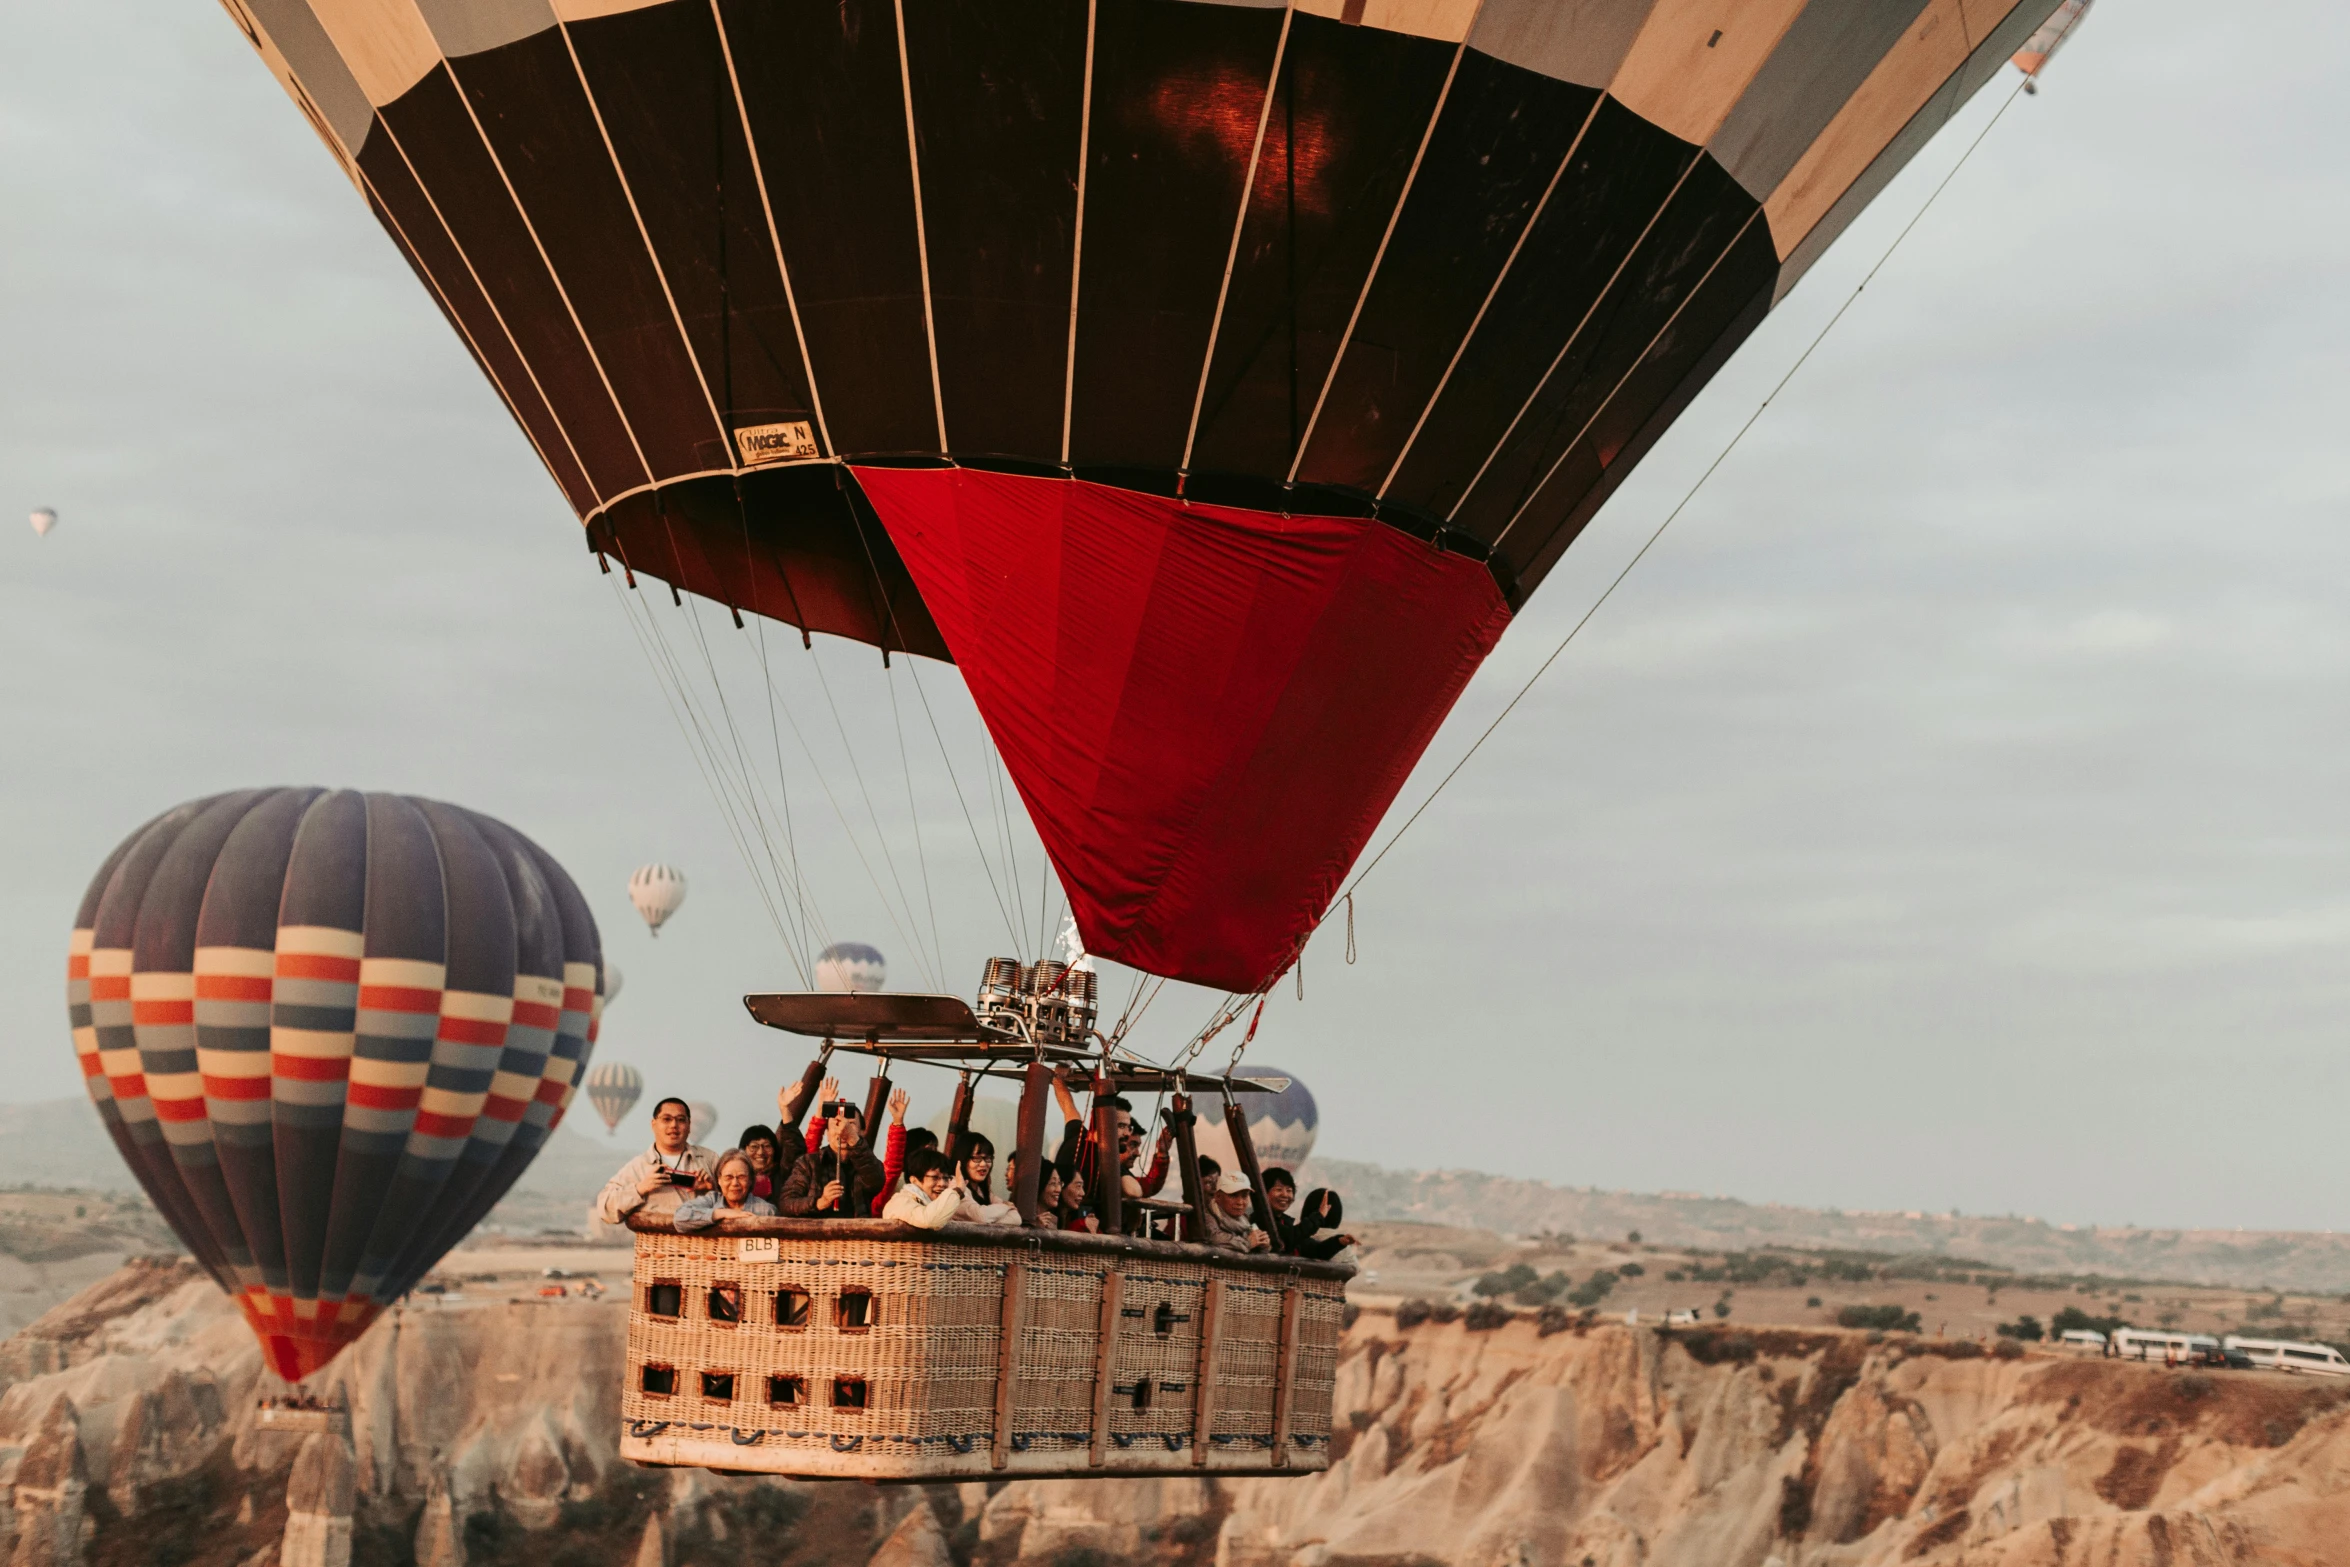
[(758, 1248)]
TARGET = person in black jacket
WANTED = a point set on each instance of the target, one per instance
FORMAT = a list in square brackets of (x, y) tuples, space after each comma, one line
[(1302, 1237), (841, 1179)]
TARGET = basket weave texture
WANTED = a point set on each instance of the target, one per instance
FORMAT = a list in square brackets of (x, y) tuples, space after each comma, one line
[(805, 1354)]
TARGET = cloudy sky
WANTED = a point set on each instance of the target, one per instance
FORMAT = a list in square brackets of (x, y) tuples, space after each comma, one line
[(1950, 812)]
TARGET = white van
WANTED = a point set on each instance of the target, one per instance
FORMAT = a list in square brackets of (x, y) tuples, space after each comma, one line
[(2285, 1355), (2176, 1349), (2083, 1338)]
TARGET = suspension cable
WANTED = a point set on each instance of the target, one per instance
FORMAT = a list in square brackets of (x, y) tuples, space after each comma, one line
[(914, 673)]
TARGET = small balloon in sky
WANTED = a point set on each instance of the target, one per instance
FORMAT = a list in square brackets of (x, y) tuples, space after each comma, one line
[(611, 982), (851, 965), (656, 890), (44, 518)]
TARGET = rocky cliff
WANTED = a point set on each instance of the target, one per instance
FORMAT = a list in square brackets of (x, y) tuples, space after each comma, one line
[(483, 1433)]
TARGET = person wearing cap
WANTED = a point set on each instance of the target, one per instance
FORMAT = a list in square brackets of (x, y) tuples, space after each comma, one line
[(1229, 1226), (656, 1181)]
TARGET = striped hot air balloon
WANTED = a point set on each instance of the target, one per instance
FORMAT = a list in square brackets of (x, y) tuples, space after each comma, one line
[(613, 1087), (327, 1030), (657, 891)]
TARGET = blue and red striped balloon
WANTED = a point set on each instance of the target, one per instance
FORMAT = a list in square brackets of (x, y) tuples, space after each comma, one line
[(328, 1030)]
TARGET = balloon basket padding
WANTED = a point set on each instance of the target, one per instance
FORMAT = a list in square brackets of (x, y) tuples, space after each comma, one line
[(861, 1349)]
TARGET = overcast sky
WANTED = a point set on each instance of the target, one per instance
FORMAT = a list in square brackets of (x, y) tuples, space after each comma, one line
[(1952, 811)]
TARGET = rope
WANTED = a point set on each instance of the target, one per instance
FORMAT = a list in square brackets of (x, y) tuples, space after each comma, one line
[(679, 703), (914, 813), (914, 673), (911, 930), (1347, 894)]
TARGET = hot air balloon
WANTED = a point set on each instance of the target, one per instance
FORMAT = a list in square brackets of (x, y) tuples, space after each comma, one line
[(705, 1120), (851, 965), (327, 1030), (1280, 1125), (611, 983), (44, 518), (613, 1087), (657, 891), (1211, 382)]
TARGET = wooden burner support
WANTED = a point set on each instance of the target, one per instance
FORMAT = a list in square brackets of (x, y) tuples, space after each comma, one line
[(862, 1349)]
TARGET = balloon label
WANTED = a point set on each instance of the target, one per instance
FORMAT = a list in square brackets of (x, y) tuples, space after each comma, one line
[(758, 1248), (764, 443)]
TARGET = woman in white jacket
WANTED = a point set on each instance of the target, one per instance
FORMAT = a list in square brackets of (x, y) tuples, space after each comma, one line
[(931, 1200)]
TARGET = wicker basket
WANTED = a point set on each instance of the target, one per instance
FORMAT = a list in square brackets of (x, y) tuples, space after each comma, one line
[(865, 1349)]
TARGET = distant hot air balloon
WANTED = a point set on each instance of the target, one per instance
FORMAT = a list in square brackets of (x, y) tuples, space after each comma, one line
[(2038, 49), (851, 965), (613, 1087), (705, 1117), (327, 1030), (611, 983), (656, 890), (44, 518), (1281, 1125)]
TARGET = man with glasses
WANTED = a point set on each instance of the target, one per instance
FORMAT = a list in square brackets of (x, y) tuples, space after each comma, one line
[(841, 1179), (657, 1180)]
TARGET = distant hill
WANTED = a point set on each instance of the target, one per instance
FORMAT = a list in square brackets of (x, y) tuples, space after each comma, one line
[(2282, 1259), (59, 1143)]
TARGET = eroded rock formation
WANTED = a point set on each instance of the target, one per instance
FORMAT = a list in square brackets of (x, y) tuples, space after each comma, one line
[(131, 1430)]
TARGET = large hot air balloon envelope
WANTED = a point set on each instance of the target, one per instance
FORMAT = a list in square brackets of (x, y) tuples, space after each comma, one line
[(327, 1030), (658, 891), (1211, 382), (614, 1087)]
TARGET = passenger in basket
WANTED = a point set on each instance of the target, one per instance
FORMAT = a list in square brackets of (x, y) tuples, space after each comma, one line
[(1301, 1237), (974, 1183), (1072, 1207), (893, 1151), (759, 1145), (927, 1201), (1048, 1199), (839, 1180), (732, 1197), (978, 1170), (657, 1180), (790, 1099), (1228, 1227)]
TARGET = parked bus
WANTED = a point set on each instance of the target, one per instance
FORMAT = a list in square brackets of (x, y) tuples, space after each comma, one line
[(2286, 1355), (2175, 1349), (2083, 1338)]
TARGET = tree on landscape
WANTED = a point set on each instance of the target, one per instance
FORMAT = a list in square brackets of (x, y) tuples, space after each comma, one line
[(1885, 1319)]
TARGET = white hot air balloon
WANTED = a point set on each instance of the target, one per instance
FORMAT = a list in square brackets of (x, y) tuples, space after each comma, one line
[(705, 1116), (611, 982), (851, 965), (656, 890), (44, 518)]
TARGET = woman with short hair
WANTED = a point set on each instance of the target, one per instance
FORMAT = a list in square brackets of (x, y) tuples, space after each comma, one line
[(730, 1197)]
